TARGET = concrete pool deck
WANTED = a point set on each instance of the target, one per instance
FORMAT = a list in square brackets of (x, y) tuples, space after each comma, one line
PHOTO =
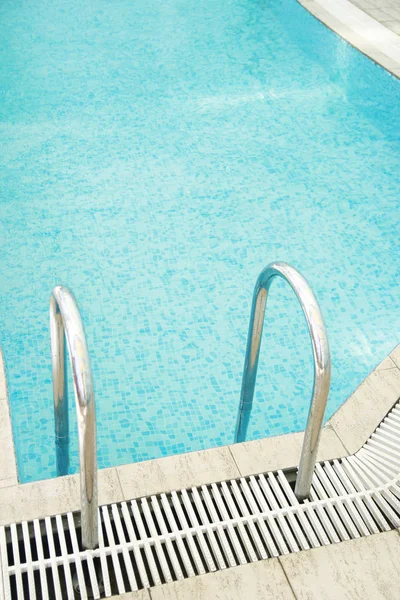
[(386, 12)]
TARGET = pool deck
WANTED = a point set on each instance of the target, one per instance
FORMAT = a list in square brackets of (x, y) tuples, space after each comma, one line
[(372, 37), (301, 575), (386, 12)]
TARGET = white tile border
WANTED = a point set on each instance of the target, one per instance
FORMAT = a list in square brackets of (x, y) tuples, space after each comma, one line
[(345, 432), (359, 29)]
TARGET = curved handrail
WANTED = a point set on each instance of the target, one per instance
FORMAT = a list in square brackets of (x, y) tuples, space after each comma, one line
[(65, 318), (322, 365)]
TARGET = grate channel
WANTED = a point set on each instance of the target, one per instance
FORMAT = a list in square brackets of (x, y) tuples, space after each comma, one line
[(150, 541)]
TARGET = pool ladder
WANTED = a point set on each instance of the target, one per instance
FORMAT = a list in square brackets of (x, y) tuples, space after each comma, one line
[(322, 365), (66, 322), (66, 326)]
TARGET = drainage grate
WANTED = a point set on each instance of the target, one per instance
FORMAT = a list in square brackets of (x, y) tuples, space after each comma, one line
[(151, 541)]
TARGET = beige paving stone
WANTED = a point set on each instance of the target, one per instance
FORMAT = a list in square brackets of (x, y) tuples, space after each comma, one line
[(282, 452), (109, 486), (53, 496), (268, 454), (176, 472), (8, 464), (387, 363), (3, 381), (362, 4), (393, 25), (37, 499), (263, 580), (394, 11), (4, 483), (364, 410), (363, 569), (395, 354), (140, 595), (379, 14)]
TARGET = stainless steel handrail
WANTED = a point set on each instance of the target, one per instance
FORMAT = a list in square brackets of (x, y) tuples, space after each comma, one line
[(65, 319), (322, 365)]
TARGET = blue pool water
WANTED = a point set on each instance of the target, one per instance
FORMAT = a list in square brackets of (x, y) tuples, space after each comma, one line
[(155, 156)]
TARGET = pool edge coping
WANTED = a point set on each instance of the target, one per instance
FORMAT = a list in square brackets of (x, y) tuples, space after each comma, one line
[(344, 433), (360, 30), (8, 467)]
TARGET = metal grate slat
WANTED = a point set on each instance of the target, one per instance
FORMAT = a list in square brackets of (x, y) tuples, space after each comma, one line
[(111, 545), (280, 518), (135, 546), (243, 532), (370, 478), (270, 519), (380, 455), (65, 561), (348, 500), (377, 466), (231, 530), (171, 550), (125, 553), (4, 563), (198, 531), (156, 542), (50, 539), (103, 562), (385, 447), (351, 489), (28, 558), (292, 517), (318, 493), (309, 518), (42, 570), (209, 531), (146, 545), (17, 563), (219, 529), (339, 505), (182, 548), (268, 541), (242, 506), (366, 497)]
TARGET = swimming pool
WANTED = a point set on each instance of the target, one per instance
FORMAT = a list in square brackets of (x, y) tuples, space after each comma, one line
[(155, 157)]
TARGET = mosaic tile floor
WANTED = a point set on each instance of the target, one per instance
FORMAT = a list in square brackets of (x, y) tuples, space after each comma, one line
[(154, 158)]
